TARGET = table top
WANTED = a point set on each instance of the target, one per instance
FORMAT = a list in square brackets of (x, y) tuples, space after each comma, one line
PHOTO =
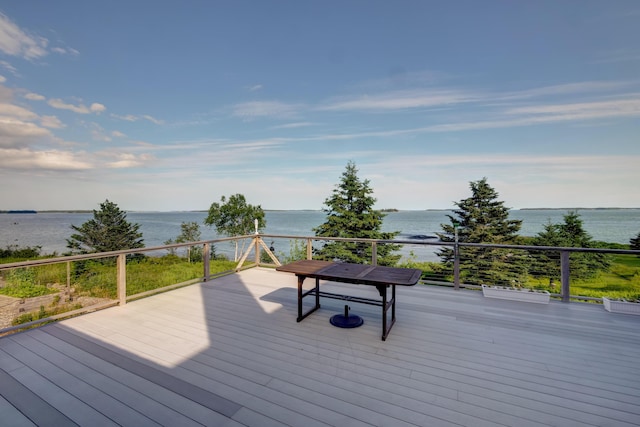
[(353, 273)]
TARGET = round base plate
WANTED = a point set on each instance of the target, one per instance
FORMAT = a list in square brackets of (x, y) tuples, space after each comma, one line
[(346, 322)]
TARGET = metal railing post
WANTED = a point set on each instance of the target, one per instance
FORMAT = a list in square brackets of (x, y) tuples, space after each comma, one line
[(206, 257), (256, 249), (456, 257), (122, 279), (456, 266), (69, 277), (374, 253), (564, 276)]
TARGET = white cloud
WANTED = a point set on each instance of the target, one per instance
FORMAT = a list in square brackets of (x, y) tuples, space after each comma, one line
[(293, 125), (13, 70), (80, 108), (61, 105), (27, 159), (118, 134), (34, 97), (254, 88), (401, 100), (17, 42), (51, 122), (10, 110), (17, 133), (542, 114), (584, 110), (3, 79), (128, 160), (153, 119), (97, 108), (98, 133), (565, 89), (128, 117), (134, 118), (65, 51)]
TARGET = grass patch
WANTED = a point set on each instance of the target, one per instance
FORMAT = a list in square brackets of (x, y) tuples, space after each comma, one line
[(622, 280), (100, 280)]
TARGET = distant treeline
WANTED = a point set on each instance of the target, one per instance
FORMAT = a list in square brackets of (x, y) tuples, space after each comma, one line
[(35, 212), (20, 212)]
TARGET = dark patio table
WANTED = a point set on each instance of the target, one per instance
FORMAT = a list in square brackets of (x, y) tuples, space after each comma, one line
[(360, 274)]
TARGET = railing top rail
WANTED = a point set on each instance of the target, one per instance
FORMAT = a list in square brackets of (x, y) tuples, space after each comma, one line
[(461, 244), (97, 255), (46, 261)]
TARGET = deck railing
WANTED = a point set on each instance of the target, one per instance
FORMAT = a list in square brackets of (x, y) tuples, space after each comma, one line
[(258, 252)]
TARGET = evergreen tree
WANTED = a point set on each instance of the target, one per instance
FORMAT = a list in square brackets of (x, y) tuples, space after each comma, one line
[(109, 230), (482, 218), (350, 214), (569, 234), (634, 243), (234, 217)]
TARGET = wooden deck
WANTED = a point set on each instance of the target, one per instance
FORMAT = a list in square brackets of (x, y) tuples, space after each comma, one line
[(230, 353)]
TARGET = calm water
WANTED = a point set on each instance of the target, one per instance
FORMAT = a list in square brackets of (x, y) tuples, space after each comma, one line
[(50, 230)]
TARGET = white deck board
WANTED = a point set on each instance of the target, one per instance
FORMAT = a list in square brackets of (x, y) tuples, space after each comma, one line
[(453, 358)]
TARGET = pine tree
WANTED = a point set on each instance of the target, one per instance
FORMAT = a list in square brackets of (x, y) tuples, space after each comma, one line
[(482, 218), (569, 234), (634, 242), (350, 214), (109, 230)]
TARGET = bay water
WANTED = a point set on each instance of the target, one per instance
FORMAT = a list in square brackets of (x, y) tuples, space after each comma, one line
[(51, 229)]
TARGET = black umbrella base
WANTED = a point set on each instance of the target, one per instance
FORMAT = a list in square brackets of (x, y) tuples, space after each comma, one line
[(346, 321)]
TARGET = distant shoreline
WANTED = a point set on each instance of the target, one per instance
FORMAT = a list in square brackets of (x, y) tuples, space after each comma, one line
[(386, 210)]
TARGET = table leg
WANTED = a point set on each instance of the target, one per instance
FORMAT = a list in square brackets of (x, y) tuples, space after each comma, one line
[(384, 313), (393, 305), (300, 281), (385, 308), (302, 294)]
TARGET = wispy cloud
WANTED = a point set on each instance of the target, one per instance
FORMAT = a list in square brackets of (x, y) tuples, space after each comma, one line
[(580, 88), (17, 112), (17, 133), (7, 66), (34, 96), (584, 110), (401, 100), (293, 125), (153, 119), (127, 117), (29, 160), (79, 108), (128, 160), (17, 42), (134, 118), (254, 88), (65, 51), (51, 122), (97, 132)]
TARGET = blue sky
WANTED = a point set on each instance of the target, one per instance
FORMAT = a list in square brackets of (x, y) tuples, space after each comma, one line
[(159, 105)]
